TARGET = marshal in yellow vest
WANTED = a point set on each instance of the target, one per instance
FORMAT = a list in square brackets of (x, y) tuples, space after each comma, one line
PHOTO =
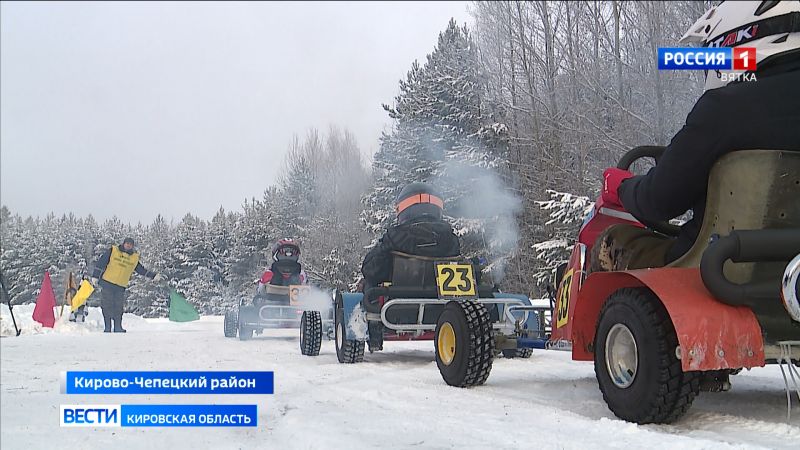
[(120, 267)]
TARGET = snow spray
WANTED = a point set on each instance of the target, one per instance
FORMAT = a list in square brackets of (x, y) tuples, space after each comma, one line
[(316, 299)]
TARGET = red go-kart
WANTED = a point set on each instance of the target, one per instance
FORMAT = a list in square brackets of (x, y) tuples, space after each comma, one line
[(729, 303), (658, 335)]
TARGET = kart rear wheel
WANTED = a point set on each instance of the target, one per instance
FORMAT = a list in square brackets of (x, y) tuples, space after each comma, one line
[(347, 351), (464, 343), (635, 363), (310, 333), (230, 324)]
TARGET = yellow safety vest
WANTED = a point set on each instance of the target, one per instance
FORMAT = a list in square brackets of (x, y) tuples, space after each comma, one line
[(120, 267)]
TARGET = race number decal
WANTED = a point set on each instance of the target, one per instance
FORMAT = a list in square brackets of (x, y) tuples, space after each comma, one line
[(297, 291), (562, 310), (455, 280)]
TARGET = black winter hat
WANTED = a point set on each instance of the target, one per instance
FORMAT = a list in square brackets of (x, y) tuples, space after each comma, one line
[(127, 239)]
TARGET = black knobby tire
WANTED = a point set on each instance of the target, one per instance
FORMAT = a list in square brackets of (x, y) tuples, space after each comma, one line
[(518, 353), (347, 351), (231, 323), (310, 333), (660, 391), (473, 344)]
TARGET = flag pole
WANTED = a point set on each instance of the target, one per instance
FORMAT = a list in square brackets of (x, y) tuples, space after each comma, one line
[(5, 295)]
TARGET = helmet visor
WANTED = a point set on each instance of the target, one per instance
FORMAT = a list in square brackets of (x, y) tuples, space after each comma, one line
[(287, 252)]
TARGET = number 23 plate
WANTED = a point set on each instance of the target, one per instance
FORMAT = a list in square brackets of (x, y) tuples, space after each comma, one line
[(455, 280)]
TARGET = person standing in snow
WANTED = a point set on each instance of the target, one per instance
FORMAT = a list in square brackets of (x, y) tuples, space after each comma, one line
[(114, 270)]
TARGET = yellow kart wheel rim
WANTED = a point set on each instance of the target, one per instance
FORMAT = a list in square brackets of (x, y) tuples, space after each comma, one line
[(446, 343)]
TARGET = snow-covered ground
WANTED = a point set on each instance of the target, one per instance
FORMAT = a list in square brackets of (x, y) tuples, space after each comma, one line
[(395, 399)]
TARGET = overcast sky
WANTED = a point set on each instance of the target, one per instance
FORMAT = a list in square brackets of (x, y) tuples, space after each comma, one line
[(136, 109)]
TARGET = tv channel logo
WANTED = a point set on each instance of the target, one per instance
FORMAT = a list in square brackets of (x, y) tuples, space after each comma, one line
[(90, 416), (718, 58)]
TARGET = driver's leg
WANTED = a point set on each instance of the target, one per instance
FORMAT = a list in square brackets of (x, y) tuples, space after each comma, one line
[(623, 247), (372, 307)]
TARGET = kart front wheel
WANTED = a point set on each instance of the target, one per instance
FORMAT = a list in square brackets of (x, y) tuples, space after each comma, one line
[(464, 343), (310, 333)]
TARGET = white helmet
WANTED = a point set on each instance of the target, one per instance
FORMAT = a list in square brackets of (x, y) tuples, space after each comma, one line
[(771, 27)]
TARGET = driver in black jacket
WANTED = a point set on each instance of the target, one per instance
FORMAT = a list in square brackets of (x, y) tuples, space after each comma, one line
[(729, 116), (421, 231)]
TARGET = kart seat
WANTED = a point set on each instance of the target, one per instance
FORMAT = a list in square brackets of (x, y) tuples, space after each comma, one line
[(413, 271), (748, 190), (275, 294), (414, 275), (751, 190)]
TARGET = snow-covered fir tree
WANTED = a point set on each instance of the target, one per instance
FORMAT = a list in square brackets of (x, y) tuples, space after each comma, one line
[(328, 178), (566, 212), (445, 133), (196, 270)]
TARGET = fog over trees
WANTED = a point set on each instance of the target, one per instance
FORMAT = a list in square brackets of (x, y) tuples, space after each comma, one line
[(513, 119)]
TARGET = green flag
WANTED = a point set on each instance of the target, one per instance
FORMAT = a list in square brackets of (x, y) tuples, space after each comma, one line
[(180, 310)]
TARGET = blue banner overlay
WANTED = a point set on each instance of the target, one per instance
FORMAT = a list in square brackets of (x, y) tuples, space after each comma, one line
[(719, 58), (159, 415), (189, 415), (167, 382)]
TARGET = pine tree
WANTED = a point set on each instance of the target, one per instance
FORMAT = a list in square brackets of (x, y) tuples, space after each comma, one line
[(252, 235), (445, 134), (298, 199), (196, 268)]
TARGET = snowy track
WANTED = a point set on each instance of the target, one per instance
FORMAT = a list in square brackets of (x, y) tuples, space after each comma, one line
[(395, 399)]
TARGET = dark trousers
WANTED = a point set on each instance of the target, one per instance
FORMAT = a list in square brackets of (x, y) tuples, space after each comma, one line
[(112, 300)]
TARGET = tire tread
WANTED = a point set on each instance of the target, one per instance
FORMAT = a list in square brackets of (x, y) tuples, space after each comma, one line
[(677, 389)]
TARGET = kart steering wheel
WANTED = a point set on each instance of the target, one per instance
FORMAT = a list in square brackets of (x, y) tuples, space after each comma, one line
[(655, 152)]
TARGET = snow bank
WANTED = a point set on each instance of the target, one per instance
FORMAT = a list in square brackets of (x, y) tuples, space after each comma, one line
[(94, 322), (394, 399)]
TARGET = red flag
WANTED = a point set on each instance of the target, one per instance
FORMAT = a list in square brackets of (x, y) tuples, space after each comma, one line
[(45, 302)]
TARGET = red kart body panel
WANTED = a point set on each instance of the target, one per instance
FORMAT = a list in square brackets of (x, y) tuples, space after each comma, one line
[(603, 215), (712, 335)]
